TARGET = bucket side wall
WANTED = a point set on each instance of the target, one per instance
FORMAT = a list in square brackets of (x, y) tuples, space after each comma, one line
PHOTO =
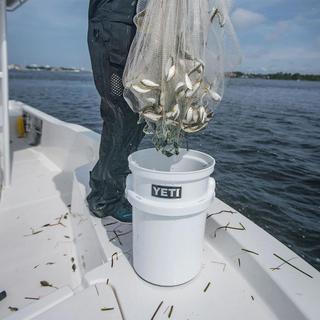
[(167, 251)]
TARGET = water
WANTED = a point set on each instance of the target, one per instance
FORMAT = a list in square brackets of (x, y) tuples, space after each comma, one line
[(265, 139)]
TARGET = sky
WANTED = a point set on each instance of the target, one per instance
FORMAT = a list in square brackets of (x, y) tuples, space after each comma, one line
[(274, 35)]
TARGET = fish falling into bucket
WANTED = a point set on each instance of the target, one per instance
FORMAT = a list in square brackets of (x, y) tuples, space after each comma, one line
[(174, 76)]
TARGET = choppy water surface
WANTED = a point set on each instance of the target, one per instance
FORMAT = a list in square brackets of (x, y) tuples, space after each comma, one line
[(265, 139)]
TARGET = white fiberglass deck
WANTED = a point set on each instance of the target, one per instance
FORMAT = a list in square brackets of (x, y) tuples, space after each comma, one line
[(30, 252), (88, 261)]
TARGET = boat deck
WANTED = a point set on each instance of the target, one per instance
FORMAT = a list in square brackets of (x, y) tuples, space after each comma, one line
[(36, 244), (48, 235), (30, 252)]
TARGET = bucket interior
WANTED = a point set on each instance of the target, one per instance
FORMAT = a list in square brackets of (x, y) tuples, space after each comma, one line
[(186, 161)]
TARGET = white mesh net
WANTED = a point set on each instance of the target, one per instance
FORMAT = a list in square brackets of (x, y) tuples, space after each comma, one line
[(174, 76)]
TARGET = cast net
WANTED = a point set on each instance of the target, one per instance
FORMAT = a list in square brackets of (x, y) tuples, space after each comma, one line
[(174, 76)]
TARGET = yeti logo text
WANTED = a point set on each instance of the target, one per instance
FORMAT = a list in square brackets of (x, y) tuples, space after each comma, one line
[(166, 192)]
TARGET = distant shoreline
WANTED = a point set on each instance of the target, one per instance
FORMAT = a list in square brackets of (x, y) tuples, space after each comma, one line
[(14, 67), (232, 75), (276, 76)]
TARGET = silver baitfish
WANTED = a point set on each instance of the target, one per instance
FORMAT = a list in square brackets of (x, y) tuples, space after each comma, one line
[(152, 101), (150, 84), (140, 89), (202, 114), (189, 115), (162, 98), (176, 111), (195, 115), (188, 82), (170, 69), (152, 116), (214, 95), (196, 87), (193, 128)]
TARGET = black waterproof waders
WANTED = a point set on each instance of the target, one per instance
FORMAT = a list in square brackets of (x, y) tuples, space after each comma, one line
[(111, 31)]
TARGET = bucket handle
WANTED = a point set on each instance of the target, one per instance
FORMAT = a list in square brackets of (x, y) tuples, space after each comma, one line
[(212, 186), (129, 183)]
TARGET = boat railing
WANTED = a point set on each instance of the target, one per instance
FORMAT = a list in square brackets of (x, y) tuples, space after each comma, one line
[(67, 145), (4, 98)]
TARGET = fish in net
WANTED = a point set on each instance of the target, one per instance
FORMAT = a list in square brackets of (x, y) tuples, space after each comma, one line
[(175, 71)]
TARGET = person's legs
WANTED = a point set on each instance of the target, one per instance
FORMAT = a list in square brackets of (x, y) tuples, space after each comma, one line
[(110, 34)]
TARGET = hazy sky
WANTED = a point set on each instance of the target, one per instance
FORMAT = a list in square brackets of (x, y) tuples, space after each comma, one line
[(275, 35)]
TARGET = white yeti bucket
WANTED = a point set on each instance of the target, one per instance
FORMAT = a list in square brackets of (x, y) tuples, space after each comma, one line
[(170, 198)]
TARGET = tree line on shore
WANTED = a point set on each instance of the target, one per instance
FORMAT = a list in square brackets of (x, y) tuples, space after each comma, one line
[(275, 76)]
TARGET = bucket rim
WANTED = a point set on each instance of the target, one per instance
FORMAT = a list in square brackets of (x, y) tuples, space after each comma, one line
[(209, 168)]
